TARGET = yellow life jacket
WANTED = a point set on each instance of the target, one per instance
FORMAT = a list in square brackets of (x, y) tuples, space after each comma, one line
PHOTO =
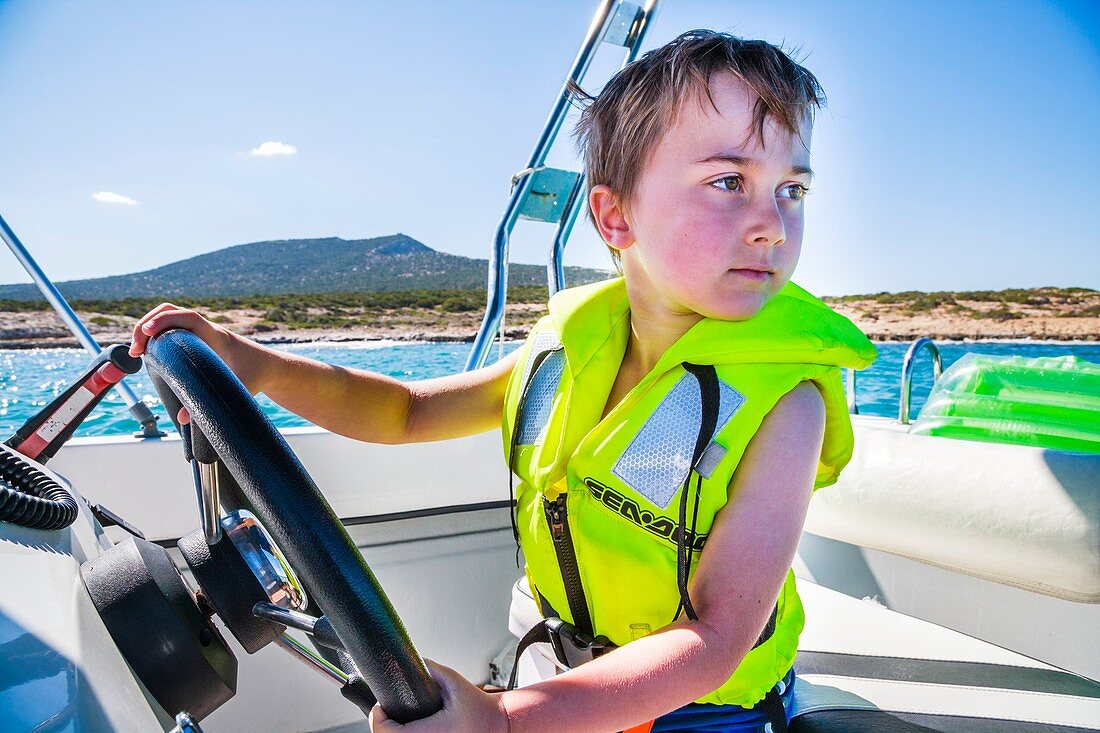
[(597, 506)]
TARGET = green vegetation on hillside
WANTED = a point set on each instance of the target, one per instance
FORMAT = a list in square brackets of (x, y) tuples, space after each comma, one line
[(311, 310), (1065, 302), (351, 309)]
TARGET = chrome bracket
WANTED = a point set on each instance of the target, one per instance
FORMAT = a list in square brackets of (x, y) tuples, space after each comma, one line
[(317, 627), (185, 724), (547, 194), (620, 29), (312, 660), (265, 560)]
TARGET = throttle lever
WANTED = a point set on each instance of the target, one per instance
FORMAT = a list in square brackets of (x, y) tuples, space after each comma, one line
[(43, 435)]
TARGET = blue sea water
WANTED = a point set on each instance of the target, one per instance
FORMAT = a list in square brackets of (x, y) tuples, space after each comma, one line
[(29, 380)]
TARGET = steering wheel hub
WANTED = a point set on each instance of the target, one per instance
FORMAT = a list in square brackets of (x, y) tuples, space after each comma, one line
[(264, 559)]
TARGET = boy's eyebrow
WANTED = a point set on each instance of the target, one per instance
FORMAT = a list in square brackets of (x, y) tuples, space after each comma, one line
[(741, 160)]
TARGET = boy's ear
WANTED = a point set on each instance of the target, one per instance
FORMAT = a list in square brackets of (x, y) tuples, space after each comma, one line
[(610, 218)]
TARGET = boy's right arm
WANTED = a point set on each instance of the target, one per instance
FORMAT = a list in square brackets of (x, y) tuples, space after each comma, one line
[(351, 402)]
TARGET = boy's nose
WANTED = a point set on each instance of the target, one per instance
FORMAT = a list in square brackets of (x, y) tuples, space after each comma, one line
[(765, 224)]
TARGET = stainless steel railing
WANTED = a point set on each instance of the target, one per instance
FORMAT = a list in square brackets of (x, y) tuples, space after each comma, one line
[(615, 21), (850, 391), (907, 373), (555, 268), (141, 412)]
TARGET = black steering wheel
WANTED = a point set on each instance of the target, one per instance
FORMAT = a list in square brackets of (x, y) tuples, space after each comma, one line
[(301, 521)]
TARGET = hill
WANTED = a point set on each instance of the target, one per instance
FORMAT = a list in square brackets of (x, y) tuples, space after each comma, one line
[(391, 263)]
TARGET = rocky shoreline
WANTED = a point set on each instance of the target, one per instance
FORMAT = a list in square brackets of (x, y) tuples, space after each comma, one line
[(980, 321), (882, 321)]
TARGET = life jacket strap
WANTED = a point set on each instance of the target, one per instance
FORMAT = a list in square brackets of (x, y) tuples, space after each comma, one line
[(769, 626), (566, 641), (709, 401), (772, 705), (571, 646)]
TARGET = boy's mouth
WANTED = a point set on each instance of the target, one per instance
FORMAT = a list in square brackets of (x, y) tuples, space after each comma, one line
[(753, 273)]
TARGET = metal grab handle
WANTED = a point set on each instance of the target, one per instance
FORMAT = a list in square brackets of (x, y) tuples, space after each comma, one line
[(907, 373), (141, 412), (555, 270), (850, 390), (497, 290)]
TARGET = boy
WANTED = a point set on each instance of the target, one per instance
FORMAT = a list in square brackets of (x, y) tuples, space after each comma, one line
[(667, 428)]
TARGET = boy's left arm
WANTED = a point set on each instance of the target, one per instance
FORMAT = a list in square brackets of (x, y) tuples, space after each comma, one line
[(734, 587)]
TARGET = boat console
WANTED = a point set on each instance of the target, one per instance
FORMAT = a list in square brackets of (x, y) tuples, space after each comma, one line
[(161, 627)]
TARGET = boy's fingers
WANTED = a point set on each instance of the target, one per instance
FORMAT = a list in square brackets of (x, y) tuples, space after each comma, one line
[(378, 719), (444, 676), (449, 680), (183, 416), (170, 319), (438, 670), (137, 345), (166, 320), (155, 312)]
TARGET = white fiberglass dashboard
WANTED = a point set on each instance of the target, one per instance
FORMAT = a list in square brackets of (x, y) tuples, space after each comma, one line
[(59, 667)]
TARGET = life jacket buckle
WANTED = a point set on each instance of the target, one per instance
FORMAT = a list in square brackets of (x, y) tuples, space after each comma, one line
[(581, 647)]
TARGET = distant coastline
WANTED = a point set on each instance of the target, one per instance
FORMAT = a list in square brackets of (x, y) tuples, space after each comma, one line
[(1039, 314)]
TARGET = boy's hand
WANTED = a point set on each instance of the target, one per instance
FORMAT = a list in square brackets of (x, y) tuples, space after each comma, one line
[(166, 316), (226, 344), (466, 709)]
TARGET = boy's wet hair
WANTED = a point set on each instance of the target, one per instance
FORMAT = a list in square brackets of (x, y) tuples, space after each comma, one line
[(619, 128)]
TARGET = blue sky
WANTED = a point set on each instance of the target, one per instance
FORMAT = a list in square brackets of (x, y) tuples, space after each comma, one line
[(958, 151)]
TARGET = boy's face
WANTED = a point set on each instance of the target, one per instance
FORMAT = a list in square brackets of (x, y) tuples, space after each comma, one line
[(715, 223)]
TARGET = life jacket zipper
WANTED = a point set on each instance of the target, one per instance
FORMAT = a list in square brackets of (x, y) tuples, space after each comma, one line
[(557, 517)]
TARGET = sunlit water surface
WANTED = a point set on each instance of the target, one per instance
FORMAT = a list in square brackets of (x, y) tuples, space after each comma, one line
[(29, 380)]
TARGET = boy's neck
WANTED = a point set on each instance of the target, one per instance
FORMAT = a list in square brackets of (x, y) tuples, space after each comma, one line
[(649, 339), (652, 332), (656, 321)]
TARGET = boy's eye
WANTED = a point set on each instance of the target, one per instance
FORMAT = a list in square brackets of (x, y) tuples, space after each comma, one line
[(795, 191), (729, 183)]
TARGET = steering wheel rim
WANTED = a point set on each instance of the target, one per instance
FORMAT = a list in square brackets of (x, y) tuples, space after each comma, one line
[(294, 511)]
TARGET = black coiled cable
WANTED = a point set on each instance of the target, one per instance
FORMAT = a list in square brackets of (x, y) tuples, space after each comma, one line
[(30, 498)]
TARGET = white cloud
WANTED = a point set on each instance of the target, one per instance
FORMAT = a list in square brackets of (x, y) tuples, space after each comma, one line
[(274, 148), (110, 197)]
